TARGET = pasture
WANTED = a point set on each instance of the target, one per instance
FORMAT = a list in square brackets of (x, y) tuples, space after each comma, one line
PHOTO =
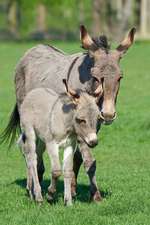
[(123, 154)]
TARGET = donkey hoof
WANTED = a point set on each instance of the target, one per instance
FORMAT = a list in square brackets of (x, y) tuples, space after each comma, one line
[(73, 194), (39, 198), (50, 198), (30, 194), (39, 201), (96, 197), (67, 203)]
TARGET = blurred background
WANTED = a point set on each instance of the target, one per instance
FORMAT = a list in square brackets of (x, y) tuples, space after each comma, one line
[(60, 19)]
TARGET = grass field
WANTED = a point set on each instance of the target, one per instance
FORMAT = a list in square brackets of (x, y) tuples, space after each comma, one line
[(123, 155)]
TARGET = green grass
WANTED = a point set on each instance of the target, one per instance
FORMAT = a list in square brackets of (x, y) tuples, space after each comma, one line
[(123, 155)]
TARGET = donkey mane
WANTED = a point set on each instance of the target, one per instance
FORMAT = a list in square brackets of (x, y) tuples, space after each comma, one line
[(102, 42)]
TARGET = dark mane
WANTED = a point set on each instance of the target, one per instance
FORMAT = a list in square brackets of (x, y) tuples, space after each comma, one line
[(101, 42)]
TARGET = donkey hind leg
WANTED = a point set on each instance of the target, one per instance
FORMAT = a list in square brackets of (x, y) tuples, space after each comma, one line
[(90, 167), (40, 148), (53, 152), (31, 161), (68, 174), (29, 186), (77, 161), (22, 144)]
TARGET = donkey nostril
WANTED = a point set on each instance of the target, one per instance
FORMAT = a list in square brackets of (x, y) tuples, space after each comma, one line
[(101, 115), (93, 143), (108, 116), (114, 115)]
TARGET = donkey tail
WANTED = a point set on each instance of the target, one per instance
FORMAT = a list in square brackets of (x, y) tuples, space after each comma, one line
[(12, 129)]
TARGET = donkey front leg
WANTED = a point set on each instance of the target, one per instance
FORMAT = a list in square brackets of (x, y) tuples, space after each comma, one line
[(90, 167), (29, 186), (84, 155), (53, 152), (29, 149), (68, 174), (77, 161), (40, 148)]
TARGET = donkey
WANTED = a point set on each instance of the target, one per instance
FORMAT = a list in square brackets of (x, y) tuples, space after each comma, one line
[(95, 71), (58, 120)]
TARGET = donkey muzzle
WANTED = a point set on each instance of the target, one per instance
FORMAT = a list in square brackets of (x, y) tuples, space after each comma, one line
[(91, 140), (108, 117), (108, 112)]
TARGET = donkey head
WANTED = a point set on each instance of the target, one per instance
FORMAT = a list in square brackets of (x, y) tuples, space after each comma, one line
[(86, 115), (106, 71)]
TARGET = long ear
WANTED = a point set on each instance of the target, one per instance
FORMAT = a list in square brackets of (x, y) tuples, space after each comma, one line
[(86, 40), (127, 42), (71, 92)]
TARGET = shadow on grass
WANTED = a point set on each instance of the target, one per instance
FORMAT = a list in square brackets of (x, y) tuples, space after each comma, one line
[(83, 194)]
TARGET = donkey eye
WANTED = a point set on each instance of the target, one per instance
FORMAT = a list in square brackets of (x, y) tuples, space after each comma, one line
[(79, 121), (96, 79)]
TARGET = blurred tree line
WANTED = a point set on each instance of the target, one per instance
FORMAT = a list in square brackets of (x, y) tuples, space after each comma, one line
[(60, 19)]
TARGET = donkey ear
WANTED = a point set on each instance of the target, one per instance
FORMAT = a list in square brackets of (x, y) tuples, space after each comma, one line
[(86, 40), (71, 92), (127, 42)]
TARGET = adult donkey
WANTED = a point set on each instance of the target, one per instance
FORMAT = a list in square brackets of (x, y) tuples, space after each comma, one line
[(96, 71)]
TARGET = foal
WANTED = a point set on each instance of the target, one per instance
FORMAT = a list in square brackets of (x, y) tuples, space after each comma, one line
[(59, 121)]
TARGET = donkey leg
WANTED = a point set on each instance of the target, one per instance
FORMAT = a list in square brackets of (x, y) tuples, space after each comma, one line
[(22, 145), (68, 173), (29, 186), (31, 161), (77, 161), (40, 148), (90, 167), (53, 152)]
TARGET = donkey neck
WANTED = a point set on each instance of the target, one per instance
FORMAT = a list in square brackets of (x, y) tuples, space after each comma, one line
[(68, 109), (62, 117), (79, 73)]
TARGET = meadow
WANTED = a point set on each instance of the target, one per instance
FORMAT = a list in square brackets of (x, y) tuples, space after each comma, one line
[(123, 154)]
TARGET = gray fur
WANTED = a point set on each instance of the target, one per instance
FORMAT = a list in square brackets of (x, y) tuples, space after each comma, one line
[(57, 121), (43, 66)]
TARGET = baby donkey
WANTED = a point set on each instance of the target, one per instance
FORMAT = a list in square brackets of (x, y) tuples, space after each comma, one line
[(59, 121)]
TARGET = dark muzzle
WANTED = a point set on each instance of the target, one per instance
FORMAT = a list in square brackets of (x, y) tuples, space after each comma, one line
[(108, 117)]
